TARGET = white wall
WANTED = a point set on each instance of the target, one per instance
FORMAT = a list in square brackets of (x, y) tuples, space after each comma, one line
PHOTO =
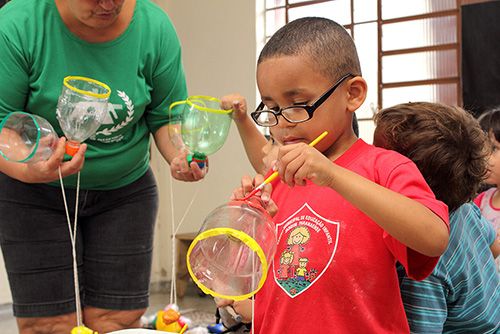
[(219, 48)]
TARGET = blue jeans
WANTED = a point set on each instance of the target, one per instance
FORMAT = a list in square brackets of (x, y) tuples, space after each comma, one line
[(114, 246)]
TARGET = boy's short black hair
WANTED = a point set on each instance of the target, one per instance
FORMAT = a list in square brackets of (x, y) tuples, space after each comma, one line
[(446, 143), (328, 45), (490, 122)]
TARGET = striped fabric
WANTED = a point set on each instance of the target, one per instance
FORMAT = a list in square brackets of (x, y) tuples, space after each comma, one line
[(462, 295)]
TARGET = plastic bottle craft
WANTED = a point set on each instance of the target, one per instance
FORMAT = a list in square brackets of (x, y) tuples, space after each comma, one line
[(26, 138), (200, 126), (230, 256), (82, 105)]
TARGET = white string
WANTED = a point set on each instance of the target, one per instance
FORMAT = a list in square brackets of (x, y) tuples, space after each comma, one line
[(253, 282), (72, 235), (187, 209), (173, 288), (173, 284)]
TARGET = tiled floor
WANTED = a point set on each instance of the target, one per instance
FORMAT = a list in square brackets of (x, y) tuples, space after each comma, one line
[(190, 305)]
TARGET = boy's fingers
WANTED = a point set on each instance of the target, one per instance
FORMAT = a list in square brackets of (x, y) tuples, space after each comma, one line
[(223, 302), (246, 184)]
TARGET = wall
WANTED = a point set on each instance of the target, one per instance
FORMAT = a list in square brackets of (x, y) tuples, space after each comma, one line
[(5, 296), (219, 48)]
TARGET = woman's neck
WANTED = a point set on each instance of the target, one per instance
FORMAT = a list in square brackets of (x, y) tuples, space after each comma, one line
[(97, 34)]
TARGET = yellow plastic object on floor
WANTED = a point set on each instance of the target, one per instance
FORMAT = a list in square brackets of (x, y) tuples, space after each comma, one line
[(82, 330)]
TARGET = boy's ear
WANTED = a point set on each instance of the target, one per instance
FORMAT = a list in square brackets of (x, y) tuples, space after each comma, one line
[(356, 93)]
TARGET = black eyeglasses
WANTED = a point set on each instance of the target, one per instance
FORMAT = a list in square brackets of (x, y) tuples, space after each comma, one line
[(264, 116)]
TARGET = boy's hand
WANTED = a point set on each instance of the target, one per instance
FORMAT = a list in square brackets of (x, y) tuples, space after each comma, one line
[(270, 152), (300, 162), (237, 103), (243, 307), (248, 184)]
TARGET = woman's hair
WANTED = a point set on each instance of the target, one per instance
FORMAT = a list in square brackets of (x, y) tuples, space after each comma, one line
[(490, 122), (446, 143), (327, 44)]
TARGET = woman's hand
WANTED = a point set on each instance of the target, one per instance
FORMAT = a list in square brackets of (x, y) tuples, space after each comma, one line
[(182, 171), (47, 171)]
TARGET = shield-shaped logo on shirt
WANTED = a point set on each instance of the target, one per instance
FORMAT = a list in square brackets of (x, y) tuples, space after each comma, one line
[(306, 246)]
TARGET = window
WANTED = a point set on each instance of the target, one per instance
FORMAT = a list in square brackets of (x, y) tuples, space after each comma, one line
[(408, 52)]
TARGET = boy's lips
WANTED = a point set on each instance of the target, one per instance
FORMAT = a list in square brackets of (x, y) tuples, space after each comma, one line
[(292, 140)]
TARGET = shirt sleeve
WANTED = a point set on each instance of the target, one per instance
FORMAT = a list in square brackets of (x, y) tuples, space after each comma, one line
[(479, 198), (488, 231), (425, 303), (407, 180), (14, 69), (168, 82)]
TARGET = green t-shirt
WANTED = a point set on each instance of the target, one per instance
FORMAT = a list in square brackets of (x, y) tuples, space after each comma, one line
[(142, 67)]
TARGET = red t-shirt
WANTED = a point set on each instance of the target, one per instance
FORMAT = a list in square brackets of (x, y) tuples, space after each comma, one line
[(342, 277)]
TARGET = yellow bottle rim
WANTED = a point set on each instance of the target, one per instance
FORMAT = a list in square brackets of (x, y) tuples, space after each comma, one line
[(190, 99), (85, 92), (243, 237)]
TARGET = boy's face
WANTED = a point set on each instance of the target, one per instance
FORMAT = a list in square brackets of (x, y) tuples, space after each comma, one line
[(493, 176), (287, 80)]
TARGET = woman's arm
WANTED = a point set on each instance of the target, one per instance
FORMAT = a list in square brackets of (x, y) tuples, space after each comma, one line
[(179, 167)]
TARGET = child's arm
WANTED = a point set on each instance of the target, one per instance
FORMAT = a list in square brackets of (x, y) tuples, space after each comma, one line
[(243, 307), (407, 220), (495, 246), (425, 315), (253, 140)]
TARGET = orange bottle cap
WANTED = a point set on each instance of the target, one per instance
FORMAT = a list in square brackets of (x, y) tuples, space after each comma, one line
[(72, 147)]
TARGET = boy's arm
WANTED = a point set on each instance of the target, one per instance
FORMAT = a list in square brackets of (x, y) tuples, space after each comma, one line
[(425, 304), (242, 308), (253, 140), (495, 246), (407, 220)]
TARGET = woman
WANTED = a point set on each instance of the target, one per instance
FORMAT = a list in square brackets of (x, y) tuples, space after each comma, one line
[(131, 46)]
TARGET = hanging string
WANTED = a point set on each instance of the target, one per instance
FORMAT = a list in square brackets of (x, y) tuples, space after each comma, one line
[(173, 284), (173, 288), (253, 281), (72, 235)]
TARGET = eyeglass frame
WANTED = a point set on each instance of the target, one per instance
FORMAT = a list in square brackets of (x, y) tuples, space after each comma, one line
[(309, 108)]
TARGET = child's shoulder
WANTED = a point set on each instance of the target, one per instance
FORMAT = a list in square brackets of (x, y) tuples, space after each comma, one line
[(377, 157), (378, 164)]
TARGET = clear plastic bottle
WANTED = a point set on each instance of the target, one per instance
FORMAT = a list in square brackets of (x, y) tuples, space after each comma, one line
[(82, 105), (26, 138), (199, 126), (231, 255)]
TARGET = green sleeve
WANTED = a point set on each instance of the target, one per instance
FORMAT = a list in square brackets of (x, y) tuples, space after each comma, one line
[(169, 83), (14, 69)]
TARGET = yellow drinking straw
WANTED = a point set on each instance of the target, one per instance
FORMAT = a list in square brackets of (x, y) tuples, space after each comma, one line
[(274, 175)]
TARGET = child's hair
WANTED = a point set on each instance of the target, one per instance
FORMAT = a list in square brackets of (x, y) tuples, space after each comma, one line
[(490, 122), (327, 44), (446, 143)]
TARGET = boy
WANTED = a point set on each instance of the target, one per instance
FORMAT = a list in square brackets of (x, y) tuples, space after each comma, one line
[(488, 201), (447, 144), (364, 208)]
